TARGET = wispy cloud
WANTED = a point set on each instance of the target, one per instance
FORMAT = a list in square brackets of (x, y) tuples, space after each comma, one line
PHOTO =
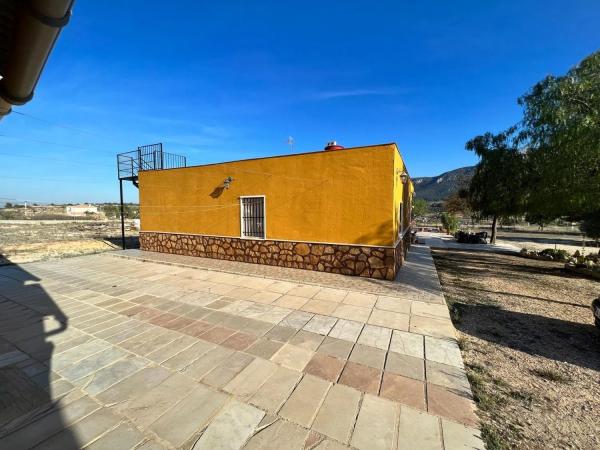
[(329, 95)]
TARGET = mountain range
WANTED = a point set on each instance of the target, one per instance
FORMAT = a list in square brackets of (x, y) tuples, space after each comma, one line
[(435, 189)]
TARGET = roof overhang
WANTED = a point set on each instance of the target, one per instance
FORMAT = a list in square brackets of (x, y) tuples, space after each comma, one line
[(28, 31)]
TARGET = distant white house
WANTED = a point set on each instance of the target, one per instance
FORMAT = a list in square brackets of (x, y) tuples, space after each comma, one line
[(81, 210)]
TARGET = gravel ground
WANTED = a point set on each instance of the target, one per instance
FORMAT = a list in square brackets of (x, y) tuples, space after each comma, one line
[(34, 240), (531, 350)]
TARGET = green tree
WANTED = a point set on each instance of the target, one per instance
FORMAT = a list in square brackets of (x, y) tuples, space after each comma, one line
[(8, 205), (449, 222), (541, 220), (497, 187), (590, 226), (420, 208), (561, 129)]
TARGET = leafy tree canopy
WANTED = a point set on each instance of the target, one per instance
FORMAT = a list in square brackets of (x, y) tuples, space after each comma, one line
[(497, 187), (561, 130)]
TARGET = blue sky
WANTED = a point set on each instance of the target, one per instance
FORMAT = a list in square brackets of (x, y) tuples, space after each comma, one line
[(233, 79)]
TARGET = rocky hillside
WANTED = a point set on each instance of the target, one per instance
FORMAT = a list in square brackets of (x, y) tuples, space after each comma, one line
[(435, 189)]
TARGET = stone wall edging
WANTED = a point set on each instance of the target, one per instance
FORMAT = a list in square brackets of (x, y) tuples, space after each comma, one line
[(372, 262)]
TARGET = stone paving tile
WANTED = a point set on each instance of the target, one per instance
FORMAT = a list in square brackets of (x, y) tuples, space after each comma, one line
[(360, 299), (404, 390), (351, 312), (368, 356), (363, 378), (264, 348), (197, 328), (430, 310), (148, 341), (189, 416), (376, 424), (393, 304), (78, 353), (227, 370), (375, 336), (282, 287), (216, 317), (296, 319), (291, 301), (292, 357), (325, 366), (302, 406), (207, 362), (279, 434), (335, 347), (280, 333), (320, 324), (264, 297), (407, 344), (347, 330), (430, 326), (164, 353), (83, 431), (271, 395), (125, 436), (389, 319), (234, 322), (443, 351), (249, 380), (407, 366), (231, 428), (126, 334), (331, 295), (217, 334), (188, 356), (337, 414), (109, 375), (445, 403), (418, 430), (458, 436), (49, 424), (319, 307), (306, 290), (307, 340), (448, 376), (133, 386), (256, 327), (146, 408), (239, 341)]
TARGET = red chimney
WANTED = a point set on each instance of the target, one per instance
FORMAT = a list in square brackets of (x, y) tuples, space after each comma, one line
[(332, 145)]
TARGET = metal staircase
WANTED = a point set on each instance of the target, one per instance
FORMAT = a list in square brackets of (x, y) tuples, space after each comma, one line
[(146, 157)]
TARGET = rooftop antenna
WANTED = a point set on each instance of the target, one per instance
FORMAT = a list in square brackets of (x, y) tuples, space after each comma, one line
[(290, 141)]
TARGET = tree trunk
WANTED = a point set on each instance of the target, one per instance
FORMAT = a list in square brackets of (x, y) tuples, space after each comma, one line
[(494, 230)]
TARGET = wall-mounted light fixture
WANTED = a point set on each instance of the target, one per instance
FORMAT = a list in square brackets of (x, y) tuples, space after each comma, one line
[(403, 176), (227, 182)]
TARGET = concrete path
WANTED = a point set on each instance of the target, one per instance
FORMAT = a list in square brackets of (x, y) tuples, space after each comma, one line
[(162, 351), (442, 240)]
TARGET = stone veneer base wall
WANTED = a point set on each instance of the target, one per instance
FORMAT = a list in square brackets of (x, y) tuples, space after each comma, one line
[(358, 260)]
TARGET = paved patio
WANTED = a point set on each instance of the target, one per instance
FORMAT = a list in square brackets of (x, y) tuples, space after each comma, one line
[(145, 350)]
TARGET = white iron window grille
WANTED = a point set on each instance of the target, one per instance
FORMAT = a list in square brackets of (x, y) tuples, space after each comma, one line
[(252, 215)]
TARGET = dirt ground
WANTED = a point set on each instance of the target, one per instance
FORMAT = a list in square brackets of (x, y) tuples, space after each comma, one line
[(34, 240), (530, 346)]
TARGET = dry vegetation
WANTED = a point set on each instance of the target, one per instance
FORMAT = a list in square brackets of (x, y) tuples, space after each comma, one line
[(33, 240), (530, 346)]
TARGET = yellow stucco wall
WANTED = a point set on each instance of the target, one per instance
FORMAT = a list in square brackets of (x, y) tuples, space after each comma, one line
[(345, 196)]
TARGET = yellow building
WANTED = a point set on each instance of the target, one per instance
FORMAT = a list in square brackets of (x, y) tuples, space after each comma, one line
[(343, 211)]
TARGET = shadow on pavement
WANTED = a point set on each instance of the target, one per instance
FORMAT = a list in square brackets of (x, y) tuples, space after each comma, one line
[(29, 319)]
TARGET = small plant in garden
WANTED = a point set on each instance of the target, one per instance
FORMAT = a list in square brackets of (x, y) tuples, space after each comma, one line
[(449, 222)]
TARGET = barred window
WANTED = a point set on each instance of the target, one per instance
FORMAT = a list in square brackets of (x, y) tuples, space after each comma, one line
[(252, 212)]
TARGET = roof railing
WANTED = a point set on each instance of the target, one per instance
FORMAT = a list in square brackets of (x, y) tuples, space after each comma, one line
[(147, 157)]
